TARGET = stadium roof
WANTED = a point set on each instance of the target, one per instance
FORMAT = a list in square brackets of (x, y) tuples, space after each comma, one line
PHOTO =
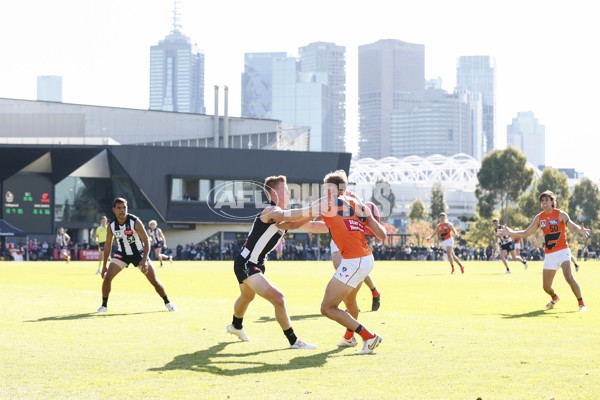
[(458, 171)]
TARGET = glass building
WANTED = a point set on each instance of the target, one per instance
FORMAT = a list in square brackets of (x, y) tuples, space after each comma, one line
[(330, 59), (477, 75), (177, 75), (391, 73), (257, 84), (300, 99)]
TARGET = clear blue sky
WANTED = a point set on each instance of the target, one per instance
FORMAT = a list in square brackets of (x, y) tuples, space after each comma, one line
[(546, 51)]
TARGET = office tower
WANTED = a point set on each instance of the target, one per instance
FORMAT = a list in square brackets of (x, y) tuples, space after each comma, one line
[(177, 73), (391, 73), (329, 58), (300, 99), (257, 84), (529, 136), (477, 74), (441, 123), (49, 88)]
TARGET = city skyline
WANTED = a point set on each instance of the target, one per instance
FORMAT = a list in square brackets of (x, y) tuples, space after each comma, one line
[(102, 52)]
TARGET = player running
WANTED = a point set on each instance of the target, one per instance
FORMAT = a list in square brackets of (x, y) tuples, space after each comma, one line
[(447, 234), (507, 246), (158, 242), (553, 223)]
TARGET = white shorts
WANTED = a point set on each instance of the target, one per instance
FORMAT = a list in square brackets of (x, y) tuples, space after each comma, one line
[(333, 247), (352, 271), (517, 246), (555, 260), (448, 242)]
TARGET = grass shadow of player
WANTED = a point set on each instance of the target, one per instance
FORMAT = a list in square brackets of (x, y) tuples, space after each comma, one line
[(71, 317), (536, 313), (264, 319), (216, 360)]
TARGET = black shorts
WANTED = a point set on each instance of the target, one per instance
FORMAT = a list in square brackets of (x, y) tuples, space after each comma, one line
[(101, 246), (158, 245), (243, 269), (510, 246), (125, 259)]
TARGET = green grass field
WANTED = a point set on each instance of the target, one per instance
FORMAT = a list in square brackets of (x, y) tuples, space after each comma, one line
[(478, 335)]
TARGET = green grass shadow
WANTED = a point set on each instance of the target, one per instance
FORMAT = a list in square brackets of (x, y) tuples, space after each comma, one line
[(213, 360), (71, 317), (536, 313)]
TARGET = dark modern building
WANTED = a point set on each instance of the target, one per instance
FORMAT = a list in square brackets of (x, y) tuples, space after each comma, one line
[(195, 194)]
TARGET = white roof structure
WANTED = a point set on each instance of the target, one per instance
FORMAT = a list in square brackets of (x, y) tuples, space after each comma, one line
[(454, 172), (413, 177)]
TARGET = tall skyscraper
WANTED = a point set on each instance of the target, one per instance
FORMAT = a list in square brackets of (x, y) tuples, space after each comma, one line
[(442, 123), (300, 99), (257, 84), (477, 74), (529, 136), (329, 58), (177, 73), (390, 73), (49, 88)]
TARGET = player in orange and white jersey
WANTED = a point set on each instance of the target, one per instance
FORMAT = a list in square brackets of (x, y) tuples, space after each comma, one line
[(553, 223), (346, 220), (447, 234)]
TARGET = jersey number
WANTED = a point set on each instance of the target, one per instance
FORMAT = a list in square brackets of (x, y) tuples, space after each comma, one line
[(551, 239), (345, 209)]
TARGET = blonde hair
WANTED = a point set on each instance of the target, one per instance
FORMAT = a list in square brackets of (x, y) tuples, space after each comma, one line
[(272, 182), (152, 221), (337, 178)]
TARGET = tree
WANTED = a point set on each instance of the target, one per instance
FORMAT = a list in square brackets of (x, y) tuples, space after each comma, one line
[(384, 198), (480, 232), (502, 177), (585, 202), (420, 230), (557, 182), (438, 202), (417, 211)]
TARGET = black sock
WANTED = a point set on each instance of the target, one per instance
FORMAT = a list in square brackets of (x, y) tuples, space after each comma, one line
[(374, 289), (166, 299), (360, 328), (237, 322), (104, 301), (289, 334)]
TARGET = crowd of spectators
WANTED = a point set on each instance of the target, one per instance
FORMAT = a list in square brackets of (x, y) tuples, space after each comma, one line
[(205, 251)]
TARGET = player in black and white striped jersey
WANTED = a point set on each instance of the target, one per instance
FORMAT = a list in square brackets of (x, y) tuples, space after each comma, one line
[(133, 247), (249, 266)]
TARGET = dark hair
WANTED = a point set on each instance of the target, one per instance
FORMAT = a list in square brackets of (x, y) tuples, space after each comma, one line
[(119, 200), (551, 195), (337, 178)]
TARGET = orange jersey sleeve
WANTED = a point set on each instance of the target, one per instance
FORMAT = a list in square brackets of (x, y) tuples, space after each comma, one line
[(555, 236), (347, 227)]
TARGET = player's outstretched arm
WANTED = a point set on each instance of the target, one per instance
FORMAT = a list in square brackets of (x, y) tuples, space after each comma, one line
[(506, 231), (573, 226), (316, 227), (289, 225)]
